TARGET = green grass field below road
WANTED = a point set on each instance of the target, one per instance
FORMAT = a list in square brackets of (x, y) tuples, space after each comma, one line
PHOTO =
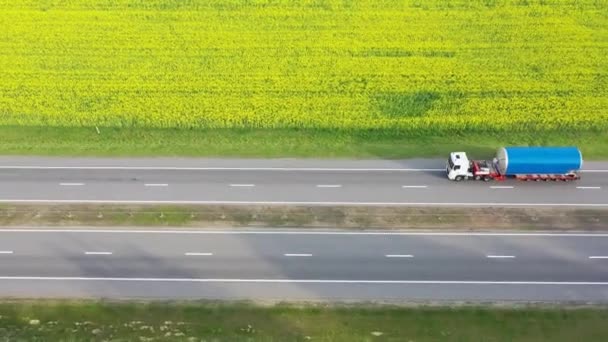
[(273, 143), (40, 321)]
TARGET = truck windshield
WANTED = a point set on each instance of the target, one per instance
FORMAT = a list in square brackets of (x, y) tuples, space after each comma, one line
[(450, 163)]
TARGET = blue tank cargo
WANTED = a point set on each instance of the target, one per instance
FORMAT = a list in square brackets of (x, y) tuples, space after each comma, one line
[(538, 160)]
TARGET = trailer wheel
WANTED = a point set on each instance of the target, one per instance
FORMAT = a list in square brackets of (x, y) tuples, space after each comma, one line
[(486, 179)]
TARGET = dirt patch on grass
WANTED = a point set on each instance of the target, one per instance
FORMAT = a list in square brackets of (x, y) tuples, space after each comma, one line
[(305, 217)]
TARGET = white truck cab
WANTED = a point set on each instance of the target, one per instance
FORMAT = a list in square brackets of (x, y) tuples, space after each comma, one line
[(460, 167)]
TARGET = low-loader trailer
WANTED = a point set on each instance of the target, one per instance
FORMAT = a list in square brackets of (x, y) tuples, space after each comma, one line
[(521, 163)]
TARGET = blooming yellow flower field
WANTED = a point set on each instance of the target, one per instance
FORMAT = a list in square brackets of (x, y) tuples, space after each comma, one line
[(408, 66)]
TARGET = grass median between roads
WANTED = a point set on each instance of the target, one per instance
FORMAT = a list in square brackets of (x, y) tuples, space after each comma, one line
[(57, 141), (285, 216), (97, 321)]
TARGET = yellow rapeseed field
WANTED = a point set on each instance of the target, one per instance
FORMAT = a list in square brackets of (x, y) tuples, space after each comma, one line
[(410, 66)]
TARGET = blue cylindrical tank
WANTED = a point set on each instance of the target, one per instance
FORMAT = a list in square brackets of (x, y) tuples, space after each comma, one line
[(538, 160)]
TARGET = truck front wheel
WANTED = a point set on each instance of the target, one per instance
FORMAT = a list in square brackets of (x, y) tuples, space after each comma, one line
[(458, 178)]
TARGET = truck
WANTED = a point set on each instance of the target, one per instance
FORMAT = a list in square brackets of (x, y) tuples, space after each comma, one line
[(521, 163)]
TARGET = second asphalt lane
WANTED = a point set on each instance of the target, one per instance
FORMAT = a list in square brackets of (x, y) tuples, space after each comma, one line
[(303, 265), (420, 183)]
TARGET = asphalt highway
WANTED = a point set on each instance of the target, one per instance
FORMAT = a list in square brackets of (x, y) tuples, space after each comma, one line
[(303, 265), (295, 264), (314, 182)]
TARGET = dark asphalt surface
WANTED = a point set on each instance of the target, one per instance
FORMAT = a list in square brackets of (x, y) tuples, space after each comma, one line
[(321, 266), (412, 182)]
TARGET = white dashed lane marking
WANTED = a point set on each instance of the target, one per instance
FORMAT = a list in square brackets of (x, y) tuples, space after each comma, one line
[(500, 256)]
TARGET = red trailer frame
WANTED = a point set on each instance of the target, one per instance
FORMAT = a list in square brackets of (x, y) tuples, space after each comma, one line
[(495, 175), (546, 178)]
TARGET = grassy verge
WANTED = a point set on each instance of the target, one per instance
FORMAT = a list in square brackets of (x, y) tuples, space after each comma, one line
[(273, 143), (304, 217), (97, 321)]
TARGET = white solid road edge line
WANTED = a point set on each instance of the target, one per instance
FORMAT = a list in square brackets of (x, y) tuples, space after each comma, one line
[(170, 168), (177, 168), (399, 256), (500, 256), (397, 204), (98, 253), (198, 254), (309, 281), (297, 254)]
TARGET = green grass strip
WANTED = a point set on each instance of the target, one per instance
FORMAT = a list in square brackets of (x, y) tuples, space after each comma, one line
[(95, 321), (275, 143)]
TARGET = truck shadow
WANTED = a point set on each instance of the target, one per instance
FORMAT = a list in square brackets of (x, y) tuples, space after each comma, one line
[(437, 174)]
